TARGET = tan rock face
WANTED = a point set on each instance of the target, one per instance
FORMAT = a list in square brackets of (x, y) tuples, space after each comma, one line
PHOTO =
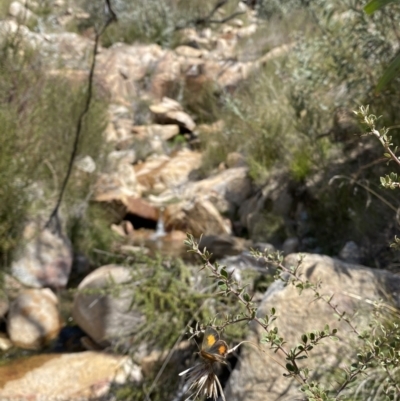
[(33, 319), (45, 259), (198, 216), (165, 75), (65, 377), (122, 67), (118, 185), (142, 208), (257, 377), (233, 185), (162, 172), (21, 13), (105, 317), (165, 132), (170, 112)]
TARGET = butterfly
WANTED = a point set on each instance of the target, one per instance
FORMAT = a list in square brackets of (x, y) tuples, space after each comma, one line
[(212, 348)]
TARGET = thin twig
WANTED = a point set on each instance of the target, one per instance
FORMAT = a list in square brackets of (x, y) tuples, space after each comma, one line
[(54, 214)]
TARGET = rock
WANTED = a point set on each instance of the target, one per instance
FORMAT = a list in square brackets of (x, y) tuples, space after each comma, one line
[(350, 253), (123, 67), (141, 208), (11, 29), (197, 217), (21, 13), (159, 173), (44, 259), (104, 317), (257, 377), (123, 127), (5, 343), (233, 185), (188, 51), (165, 132), (72, 50), (33, 320), (86, 164), (119, 128), (245, 32), (11, 286), (117, 186), (119, 157), (236, 22), (170, 112), (196, 39), (166, 75), (65, 377)]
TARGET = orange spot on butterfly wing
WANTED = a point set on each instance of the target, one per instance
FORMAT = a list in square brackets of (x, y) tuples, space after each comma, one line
[(222, 348), (211, 336)]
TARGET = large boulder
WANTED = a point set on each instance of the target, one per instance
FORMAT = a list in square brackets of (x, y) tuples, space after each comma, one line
[(227, 190), (44, 258), (354, 288), (33, 319), (159, 173), (65, 377), (106, 315), (196, 216)]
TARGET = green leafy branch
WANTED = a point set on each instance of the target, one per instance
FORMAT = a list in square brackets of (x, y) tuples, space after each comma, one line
[(292, 275), (229, 286), (389, 181)]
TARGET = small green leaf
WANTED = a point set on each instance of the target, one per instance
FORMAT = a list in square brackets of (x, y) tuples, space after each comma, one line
[(290, 367), (224, 273), (222, 285), (391, 71), (375, 5)]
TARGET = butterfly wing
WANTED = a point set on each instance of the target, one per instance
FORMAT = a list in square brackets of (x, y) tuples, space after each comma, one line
[(211, 336), (212, 348), (218, 351)]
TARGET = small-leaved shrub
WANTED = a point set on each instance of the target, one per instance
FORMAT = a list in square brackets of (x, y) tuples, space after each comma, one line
[(38, 117)]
